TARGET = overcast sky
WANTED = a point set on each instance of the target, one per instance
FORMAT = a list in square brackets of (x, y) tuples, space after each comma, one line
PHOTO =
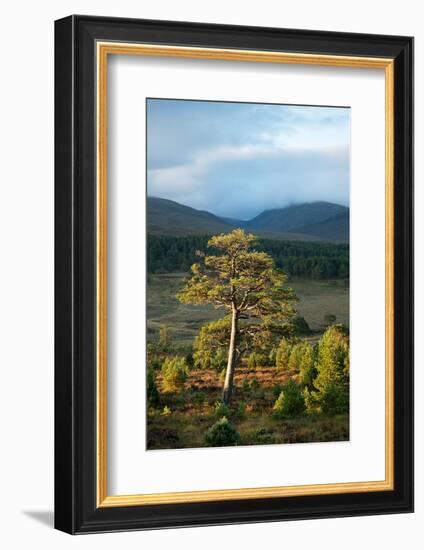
[(238, 159)]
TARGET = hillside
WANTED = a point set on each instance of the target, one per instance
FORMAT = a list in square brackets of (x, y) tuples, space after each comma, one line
[(297, 217), (165, 217), (304, 222), (328, 229)]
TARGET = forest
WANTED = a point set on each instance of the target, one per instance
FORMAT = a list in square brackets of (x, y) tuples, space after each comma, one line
[(312, 259), (236, 363)]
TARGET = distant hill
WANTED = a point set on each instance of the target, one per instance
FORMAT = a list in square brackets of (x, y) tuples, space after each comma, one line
[(307, 222), (234, 222), (292, 218), (165, 217), (335, 228)]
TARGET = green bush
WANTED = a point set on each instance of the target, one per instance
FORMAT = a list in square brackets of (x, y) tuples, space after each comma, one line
[(312, 404), (152, 390), (174, 372), (282, 357), (199, 397), (300, 326), (261, 436), (329, 319), (209, 359), (221, 434), (165, 338), (335, 400), (276, 390), (221, 409), (166, 411), (332, 357), (189, 360), (332, 380), (154, 360), (252, 361), (254, 385), (290, 402), (245, 386), (257, 360), (241, 411), (296, 355), (272, 357), (307, 369)]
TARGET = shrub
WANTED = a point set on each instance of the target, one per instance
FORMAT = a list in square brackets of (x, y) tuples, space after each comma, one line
[(165, 338), (210, 359), (252, 362), (272, 357), (254, 385), (261, 436), (154, 360), (300, 326), (333, 357), (283, 354), (296, 355), (335, 400), (155, 363), (166, 411), (221, 409), (290, 402), (332, 380), (189, 360), (221, 434), (152, 390), (312, 404), (307, 369), (241, 411), (174, 372), (329, 319), (199, 397), (245, 386), (276, 390), (256, 359)]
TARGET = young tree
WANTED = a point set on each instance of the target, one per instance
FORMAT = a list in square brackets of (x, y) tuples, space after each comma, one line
[(332, 380), (296, 355), (290, 402), (174, 373), (246, 284), (165, 338), (307, 369), (282, 356), (252, 361)]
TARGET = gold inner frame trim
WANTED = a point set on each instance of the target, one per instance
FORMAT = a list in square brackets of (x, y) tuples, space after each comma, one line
[(104, 49)]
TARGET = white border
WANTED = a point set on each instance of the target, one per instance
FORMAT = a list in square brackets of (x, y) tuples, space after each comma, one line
[(131, 469)]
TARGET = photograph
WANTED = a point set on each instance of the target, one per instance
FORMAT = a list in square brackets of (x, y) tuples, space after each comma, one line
[(247, 273)]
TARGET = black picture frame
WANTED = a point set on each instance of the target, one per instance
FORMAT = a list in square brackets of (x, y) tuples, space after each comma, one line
[(76, 508)]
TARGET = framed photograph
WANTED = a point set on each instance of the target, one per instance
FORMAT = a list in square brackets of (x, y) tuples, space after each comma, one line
[(234, 274)]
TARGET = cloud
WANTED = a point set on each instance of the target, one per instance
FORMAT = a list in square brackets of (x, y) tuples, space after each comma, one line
[(238, 159)]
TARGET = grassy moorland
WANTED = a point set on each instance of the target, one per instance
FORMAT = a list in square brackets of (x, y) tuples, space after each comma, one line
[(316, 299)]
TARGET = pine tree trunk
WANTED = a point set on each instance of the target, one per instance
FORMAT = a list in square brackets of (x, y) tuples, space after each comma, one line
[(231, 364)]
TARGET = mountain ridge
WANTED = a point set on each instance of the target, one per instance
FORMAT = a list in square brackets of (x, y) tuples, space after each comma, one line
[(318, 220)]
